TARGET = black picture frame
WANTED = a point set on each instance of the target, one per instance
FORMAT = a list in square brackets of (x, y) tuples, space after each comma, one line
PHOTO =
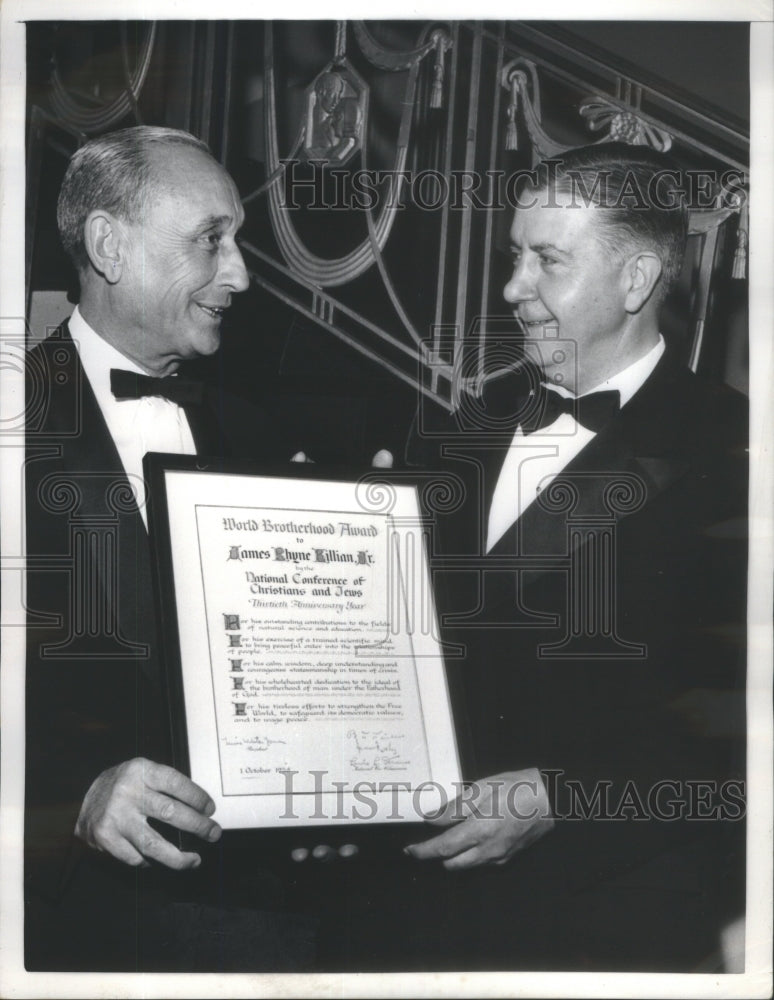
[(157, 467)]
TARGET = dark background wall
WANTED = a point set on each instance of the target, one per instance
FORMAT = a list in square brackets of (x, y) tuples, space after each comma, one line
[(706, 59)]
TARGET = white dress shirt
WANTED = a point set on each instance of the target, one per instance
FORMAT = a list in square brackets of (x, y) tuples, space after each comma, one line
[(534, 460), (152, 423)]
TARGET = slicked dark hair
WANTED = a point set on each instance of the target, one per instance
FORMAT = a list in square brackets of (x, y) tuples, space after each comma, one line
[(640, 194), (114, 173)]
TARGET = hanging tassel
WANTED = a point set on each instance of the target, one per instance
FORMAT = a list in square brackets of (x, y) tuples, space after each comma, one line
[(436, 92), (511, 134), (341, 43), (739, 270)]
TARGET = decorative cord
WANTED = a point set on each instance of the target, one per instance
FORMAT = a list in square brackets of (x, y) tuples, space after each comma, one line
[(90, 120), (338, 271)]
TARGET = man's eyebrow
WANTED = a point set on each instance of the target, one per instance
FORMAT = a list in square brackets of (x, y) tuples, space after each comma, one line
[(214, 222), (540, 248)]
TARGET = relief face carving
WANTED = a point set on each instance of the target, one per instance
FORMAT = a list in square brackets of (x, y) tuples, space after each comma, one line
[(335, 108)]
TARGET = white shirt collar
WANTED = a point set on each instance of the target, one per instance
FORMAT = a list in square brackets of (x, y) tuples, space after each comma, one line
[(628, 381), (98, 356)]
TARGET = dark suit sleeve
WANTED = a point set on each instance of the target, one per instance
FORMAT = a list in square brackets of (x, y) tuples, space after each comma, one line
[(93, 686)]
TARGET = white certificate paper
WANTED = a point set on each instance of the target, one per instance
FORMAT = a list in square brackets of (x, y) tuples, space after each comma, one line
[(313, 684)]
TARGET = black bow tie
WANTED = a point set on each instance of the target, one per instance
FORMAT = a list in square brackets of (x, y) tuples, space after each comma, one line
[(131, 385), (592, 411)]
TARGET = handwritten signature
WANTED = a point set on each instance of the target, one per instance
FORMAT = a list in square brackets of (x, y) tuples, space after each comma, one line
[(379, 762), (255, 743), (375, 739)]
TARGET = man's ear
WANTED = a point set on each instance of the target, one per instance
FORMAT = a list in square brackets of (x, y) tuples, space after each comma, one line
[(641, 273), (105, 240)]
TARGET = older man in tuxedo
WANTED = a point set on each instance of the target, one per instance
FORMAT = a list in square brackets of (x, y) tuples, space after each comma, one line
[(150, 220), (594, 580)]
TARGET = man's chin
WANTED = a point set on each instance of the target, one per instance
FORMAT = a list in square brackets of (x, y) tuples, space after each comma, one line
[(206, 343)]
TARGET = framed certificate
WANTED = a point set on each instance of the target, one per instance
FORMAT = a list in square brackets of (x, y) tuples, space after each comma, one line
[(306, 679)]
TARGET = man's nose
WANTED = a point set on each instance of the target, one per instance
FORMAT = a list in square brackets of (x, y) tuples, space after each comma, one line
[(233, 271), (521, 287)]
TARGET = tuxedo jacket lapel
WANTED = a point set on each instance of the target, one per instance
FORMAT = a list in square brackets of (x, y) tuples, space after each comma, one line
[(92, 448), (89, 459)]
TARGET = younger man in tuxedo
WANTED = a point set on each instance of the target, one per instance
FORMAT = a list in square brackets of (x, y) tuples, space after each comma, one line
[(600, 603)]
